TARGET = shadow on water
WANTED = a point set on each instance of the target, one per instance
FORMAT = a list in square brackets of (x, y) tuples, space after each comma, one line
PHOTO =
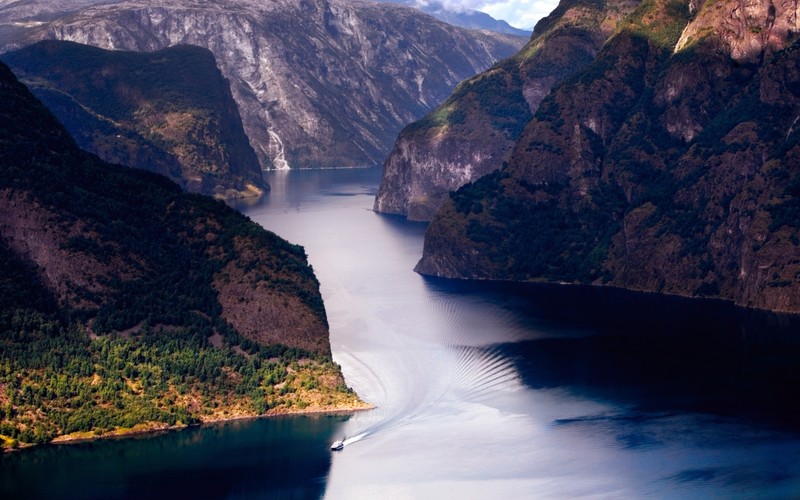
[(652, 353), (281, 457)]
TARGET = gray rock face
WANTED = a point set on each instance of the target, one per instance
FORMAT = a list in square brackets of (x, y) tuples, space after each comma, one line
[(319, 83), (473, 132)]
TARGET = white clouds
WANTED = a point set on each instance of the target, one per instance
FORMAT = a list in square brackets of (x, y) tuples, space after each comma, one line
[(452, 5), (519, 13), (462, 5)]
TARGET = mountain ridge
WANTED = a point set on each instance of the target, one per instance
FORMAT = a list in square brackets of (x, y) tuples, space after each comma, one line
[(319, 83)]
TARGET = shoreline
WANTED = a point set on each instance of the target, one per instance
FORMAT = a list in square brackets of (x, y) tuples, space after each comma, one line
[(601, 286), (144, 429)]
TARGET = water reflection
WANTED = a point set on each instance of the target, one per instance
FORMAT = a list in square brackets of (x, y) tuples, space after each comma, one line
[(657, 353)]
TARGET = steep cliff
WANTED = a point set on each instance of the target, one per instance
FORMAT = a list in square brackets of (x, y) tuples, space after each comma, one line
[(670, 165), (319, 83), (123, 299), (473, 132), (169, 111)]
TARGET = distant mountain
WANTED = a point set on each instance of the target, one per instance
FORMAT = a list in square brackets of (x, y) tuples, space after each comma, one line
[(169, 111), (23, 12), (319, 83), (468, 18), (126, 304), (474, 130), (670, 164)]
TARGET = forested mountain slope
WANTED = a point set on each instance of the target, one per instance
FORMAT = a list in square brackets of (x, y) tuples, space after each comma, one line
[(669, 165), (124, 301)]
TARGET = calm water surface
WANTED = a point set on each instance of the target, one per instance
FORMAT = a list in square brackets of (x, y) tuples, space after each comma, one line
[(275, 458), (483, 390)]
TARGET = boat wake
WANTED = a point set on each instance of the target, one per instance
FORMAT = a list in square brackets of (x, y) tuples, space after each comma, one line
[(436, 369)]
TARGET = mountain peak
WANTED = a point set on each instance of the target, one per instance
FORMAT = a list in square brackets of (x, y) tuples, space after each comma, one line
[(748, 31)]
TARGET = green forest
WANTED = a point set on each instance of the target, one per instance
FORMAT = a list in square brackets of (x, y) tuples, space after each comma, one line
[(56, 380)]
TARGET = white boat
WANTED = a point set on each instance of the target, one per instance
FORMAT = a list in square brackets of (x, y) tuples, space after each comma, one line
[(337, 445)]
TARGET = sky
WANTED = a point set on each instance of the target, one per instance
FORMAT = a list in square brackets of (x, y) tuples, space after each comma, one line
[(518, 13)]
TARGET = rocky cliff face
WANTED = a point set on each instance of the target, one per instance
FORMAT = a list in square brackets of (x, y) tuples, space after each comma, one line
[(169, 111), (670, 165), (319, 83), (473, 132)]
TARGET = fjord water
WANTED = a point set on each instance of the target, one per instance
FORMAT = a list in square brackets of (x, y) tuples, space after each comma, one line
[(272, 458), (482, 390), (510, 391)]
